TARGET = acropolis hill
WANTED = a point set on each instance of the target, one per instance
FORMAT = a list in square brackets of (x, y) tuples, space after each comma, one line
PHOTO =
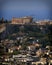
[(27, 20)]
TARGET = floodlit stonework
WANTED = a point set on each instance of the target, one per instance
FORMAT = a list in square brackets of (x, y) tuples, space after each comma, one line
[(21, 20)]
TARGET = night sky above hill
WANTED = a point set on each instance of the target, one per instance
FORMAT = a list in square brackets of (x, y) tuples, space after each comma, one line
[(39, 9)]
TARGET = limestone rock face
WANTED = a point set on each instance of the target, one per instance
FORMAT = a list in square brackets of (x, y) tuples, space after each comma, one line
[(2, 28)]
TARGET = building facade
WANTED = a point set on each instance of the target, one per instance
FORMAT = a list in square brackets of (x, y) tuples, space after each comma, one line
[(24, 20)]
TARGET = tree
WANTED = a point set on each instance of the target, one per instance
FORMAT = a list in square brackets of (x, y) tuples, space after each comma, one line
[(50, 34)]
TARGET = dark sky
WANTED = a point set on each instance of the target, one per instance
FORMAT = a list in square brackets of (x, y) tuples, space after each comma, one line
[(39, 9)]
